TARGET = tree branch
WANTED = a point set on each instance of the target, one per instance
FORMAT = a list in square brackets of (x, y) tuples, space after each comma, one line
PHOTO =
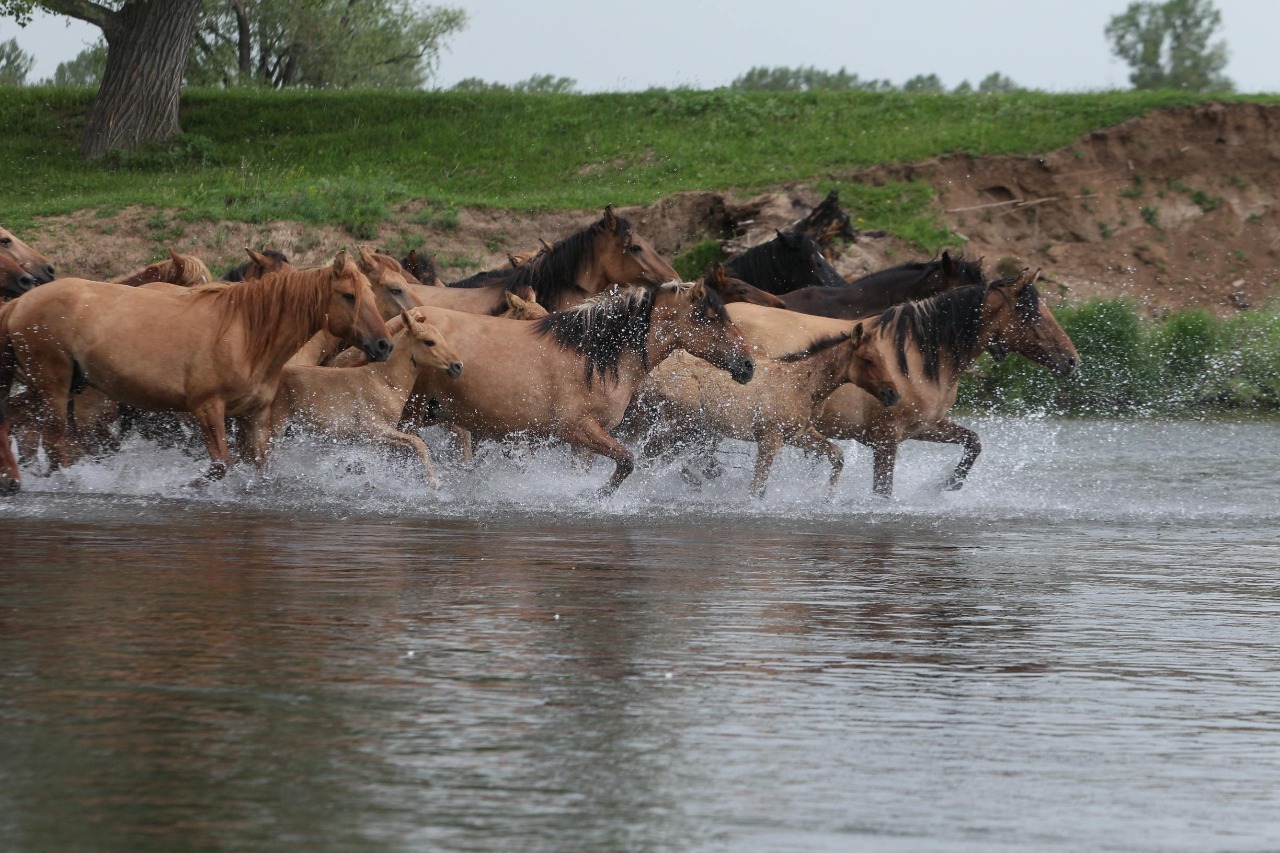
[(85, 10)]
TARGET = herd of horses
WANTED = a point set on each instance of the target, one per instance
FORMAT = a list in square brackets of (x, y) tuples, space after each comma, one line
[(592, 340)]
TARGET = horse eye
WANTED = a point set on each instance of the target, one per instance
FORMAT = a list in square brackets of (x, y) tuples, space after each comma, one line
[(397, 292), (5, 241), (350, 297), (430, 343), (637, 248)]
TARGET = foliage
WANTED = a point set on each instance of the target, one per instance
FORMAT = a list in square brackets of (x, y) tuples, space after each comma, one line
[(1167, 45), (925, 84), (693, 262), (1192, 362), (538, 84), (85, 69), (805, 79), (332, 44), (15, 64)]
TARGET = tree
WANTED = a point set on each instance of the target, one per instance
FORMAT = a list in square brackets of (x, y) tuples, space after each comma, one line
[(1167, 45), (147, 46), (85, 70), (333, 44), (538, 84), (805, 79), (15, 64), (926, 83)]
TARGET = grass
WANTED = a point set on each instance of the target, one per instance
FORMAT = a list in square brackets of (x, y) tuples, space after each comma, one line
[(1191, 363), (354, 158)]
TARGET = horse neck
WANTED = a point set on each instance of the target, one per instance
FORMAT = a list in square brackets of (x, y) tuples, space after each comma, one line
[(825, 371), (280, 313)]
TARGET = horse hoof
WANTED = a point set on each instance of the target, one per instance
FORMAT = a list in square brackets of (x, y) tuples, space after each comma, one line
[(10, 486), (952, 485)]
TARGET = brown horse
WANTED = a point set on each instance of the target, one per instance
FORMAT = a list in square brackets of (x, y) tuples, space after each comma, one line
[(571, 375), (929, 345), (776, 408), (181, 270), (365, 402), (36, 264), (587, 263), (215, 350), (14, 280), (422, 267)]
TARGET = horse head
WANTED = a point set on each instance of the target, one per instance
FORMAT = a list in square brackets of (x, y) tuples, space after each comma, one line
[(352, 314), (388, 281), (422, 267), (1018, 320), (523, 307), (736, 290), (35, 264), (14, 280), (428, 346), (627, 258), (703, 328), (868, 368), (259, 264)]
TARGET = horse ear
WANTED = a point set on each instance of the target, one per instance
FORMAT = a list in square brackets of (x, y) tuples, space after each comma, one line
[(697, 292), (259, 259), (718, 274), (367, 261), (513, 301), (856, 334), (545, 245), (412, 258), (610, 218), (948, 265), (179, 264), (340, 261), (513, 260)]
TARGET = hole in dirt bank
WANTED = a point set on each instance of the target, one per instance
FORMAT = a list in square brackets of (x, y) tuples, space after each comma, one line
[(999, 193)]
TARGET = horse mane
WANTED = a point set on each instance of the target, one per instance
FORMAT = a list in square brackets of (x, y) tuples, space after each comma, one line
[(815, 346), (947, 323), (604, 328), (272, 306), (970, 271), (555, 270)]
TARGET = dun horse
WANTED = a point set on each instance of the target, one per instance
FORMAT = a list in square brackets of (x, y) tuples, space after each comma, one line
[(776, 408), (365, 402), (571, 375), (929, 344), (215, 351)]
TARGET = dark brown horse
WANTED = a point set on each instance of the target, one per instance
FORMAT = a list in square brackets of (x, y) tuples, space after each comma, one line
[(422, 267), (736, 290), (790, 261), (874, 293), (258, 265), (827, 223)]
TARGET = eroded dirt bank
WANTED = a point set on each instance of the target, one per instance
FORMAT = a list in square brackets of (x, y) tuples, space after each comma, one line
[(1177, 208)]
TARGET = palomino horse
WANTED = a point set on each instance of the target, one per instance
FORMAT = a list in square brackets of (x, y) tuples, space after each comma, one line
[(215, 350), (571, 375), (181, 270), (929, 345), (39, 267), (790, 261), (886, 288), (365, 402), (776, 408), (14, 280), (609, 252)]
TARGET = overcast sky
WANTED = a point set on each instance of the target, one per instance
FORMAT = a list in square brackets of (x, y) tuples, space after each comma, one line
[(1041, 44)]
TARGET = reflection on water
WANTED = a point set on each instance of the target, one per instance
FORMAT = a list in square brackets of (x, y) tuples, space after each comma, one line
[(1077, 653)]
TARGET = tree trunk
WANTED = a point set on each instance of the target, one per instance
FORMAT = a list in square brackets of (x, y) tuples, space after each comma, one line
[(148, 42), (244, 41)]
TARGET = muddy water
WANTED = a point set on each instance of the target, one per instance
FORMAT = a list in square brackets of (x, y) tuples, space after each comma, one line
[(1081, 650)]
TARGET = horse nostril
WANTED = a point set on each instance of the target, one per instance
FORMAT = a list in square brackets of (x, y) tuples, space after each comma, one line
[(49, 271), (26, 282), (455, 370)]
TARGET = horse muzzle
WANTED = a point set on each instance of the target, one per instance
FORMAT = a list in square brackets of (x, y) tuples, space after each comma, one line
[(742, 371), (41, 274), (1064, 367), (454, 370), (888, 397), (379, 349)]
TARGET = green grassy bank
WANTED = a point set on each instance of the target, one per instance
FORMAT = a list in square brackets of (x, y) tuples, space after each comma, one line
[(357, 158)]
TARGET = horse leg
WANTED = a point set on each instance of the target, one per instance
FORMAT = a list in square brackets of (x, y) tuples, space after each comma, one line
[(949, 432), (884, 457), (213, 425), (812, 441), (589, 435), (254, 436), (10, 477), (768, 446), (462, 437), (414, 443)]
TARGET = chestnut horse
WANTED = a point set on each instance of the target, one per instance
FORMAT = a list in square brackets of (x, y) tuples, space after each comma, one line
[(929, 344), (36, 264), (571, 375), (365, 402), (215, 350), (776, 408), (874, 293)]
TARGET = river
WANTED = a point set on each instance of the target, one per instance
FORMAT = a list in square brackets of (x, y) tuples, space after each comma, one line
[(1078, 651)]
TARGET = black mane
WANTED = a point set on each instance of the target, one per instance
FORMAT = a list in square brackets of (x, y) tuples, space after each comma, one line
[(555, 271), (604, 328), (237, 273), (815, 346), (948, 323), (790, 261)]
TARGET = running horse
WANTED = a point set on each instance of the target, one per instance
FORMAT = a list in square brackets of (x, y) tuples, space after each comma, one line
[(215, 351), (179, 270), (874, 293), (928, 345), (571, 375)]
